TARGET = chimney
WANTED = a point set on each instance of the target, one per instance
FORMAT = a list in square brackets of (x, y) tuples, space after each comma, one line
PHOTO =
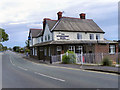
[(44, 22), (59, 15), (82, 15)]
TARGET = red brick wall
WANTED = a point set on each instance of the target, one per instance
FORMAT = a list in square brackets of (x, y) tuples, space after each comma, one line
[(105, 50), (101, 48)]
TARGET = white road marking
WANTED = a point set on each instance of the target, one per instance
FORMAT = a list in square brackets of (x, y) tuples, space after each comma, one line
[(72, 68), (12, 62), (18, 66), (78, 69), (49, 76), (22, 68)]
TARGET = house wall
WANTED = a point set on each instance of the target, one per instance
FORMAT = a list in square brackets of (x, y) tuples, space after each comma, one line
[(39, 39), (46, 33), (101, 48), (35, 41), (31, 41), (32, 52), (73, 35), (105, 50)]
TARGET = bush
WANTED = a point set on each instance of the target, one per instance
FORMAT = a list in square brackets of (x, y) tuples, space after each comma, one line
[(71, 58), (65, 59), (106, 62)]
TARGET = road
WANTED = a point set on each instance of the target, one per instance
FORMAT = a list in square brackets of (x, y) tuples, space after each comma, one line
[(20, 73)]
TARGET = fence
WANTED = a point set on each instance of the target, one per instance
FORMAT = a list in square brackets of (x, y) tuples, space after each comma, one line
[(56, 58), (90, 58)]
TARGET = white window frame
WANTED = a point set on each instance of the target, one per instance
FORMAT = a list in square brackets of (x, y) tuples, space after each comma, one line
[(91, 36), (48, 37), (112, 49), (41, 38), (72, 48), (98, 35), (79, 47), (35, 51), (45, 37), (79, 36)]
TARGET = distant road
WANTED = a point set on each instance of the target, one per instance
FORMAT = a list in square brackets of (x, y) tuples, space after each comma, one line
[(20, 73)]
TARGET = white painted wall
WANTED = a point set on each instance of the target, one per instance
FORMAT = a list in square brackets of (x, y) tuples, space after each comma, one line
[(73, 35), (35, 41), (31, 41), (39, 39), (46, 33)]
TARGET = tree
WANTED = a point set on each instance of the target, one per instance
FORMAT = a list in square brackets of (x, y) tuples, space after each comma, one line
[(4, 48), (16, 48), (1, 47), (27, 43), (3, 35), (10, 48)]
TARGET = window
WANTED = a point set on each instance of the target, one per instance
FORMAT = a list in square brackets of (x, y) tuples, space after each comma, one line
[(79, 36), (48, 37), (45, 38), (91, 36), (72, 48), (59, 48), (41, 48), (35, 51), (97, 36), (112, 49), (41, 39), (79, 49), (45, 51), (38, 40)]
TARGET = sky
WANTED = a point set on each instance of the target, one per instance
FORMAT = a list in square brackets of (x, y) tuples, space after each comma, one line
[(18, 16)]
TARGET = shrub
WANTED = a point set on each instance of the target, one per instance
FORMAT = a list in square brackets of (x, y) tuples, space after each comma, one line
[(65, 59), (71, 58), (106, 62)]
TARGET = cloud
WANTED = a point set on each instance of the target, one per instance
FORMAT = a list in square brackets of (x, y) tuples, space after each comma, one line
[(17, 16)]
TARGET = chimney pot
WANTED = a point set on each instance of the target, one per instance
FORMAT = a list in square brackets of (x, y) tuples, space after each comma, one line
[(59, 15), (82, 15)]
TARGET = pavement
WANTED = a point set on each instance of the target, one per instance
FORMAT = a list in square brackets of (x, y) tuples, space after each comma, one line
[(18, 72), (99, 68), (0, 70)]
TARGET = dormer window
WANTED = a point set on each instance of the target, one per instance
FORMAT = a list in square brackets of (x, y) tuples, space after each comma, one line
[(79, 36), (45, 38), (91, 36), (41, 39), (48, 37)]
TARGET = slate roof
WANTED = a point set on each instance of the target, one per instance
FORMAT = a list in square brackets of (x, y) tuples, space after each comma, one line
[(51, 23), (35, 32), (74, 24)]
